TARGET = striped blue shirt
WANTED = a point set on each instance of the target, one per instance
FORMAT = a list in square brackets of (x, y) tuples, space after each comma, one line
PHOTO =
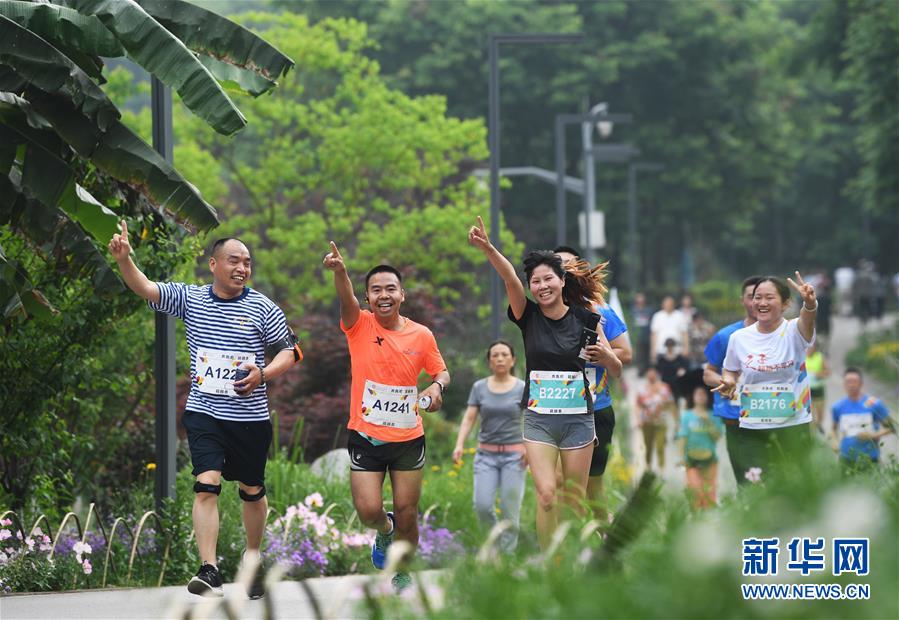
[(244, 324)]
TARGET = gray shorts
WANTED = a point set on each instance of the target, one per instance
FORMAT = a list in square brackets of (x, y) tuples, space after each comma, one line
[(564, 431)]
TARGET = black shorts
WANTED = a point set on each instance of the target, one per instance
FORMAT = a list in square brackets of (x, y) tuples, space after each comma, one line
[(237, 449), (604, 420), (398, 455), (701, 463)]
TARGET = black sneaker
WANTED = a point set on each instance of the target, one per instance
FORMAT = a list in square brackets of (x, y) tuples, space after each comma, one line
[(207, 581), (257, 586)]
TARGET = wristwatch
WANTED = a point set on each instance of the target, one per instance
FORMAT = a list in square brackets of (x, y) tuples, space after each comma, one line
[(442, 387)]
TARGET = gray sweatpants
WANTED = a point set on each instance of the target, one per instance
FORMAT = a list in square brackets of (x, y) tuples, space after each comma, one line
[(503, 472)]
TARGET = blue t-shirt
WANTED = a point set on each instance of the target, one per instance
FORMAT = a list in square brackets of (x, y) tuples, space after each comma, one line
[(612, 327), (867, 413), (241, 326), (715, 351), (700, 444)]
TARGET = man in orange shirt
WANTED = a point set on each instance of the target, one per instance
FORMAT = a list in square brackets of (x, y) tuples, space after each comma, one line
[(387, 353)]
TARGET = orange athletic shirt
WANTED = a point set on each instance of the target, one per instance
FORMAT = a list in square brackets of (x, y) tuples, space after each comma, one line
[(392, 358)]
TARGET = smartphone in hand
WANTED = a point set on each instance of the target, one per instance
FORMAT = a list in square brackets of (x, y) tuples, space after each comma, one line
[(588, 337)]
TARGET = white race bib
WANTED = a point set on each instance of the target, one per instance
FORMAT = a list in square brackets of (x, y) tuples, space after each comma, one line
[(851, 424), (552, 391), (216, 370), (390, 405)]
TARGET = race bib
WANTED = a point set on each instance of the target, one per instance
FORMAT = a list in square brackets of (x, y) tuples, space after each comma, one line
[(216, 370), (851, 424), (552, 391), (596, 388), (767, 403), (390, 405)]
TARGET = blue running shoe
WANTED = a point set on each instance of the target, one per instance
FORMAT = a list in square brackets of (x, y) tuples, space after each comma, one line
[(400, 582), (382, 541)]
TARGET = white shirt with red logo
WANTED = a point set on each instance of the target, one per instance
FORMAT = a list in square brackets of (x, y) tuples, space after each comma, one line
[(775, 358)]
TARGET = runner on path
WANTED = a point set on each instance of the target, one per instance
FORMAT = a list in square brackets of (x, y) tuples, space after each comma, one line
[(559, 416), (860, 421), (729, 411), (229, 327), (615, 332), (768, 359), (388, 353), (500, 463)]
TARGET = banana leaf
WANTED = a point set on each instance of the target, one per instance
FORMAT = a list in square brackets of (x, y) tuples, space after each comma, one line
[(55, 235), (82, 38), (100, 222), (235, 79), (36, 61), (46, 173), (18, 297), (209, 33), (158, 51), (118, 152)]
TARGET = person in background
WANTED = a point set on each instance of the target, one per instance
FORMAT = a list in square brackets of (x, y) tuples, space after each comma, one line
[(700, 332), (673, 367), (668, 323), (686, 307), (697, 438), (859, 422), (654, 400), (615, 332), (500, 464), (642, 316), (844, 281), (729, 411), (818, 371)]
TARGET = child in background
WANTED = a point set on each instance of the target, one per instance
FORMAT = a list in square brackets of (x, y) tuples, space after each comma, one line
[(699, 432)]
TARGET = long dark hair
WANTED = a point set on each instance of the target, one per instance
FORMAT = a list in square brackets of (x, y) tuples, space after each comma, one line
[(584, 285)]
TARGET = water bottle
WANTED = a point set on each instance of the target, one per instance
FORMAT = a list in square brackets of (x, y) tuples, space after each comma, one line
[(424, 402)]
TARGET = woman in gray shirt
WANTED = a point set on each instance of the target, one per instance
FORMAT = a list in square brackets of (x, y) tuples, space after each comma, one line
[(500, 463)]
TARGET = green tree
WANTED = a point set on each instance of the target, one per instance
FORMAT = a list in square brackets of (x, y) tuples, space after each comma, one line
[(69, 170)]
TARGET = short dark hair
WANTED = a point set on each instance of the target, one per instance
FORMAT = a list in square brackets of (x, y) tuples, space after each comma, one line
[(852, 370), (383, 269), (568, 249), (750, 281), (219, 243), (501, 341), (783, 291)]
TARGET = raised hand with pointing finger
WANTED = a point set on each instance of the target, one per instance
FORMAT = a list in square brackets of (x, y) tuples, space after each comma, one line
[(333, 261), (477, 236), (119, 246)]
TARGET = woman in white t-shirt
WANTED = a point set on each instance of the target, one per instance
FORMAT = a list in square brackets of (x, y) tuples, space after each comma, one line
[(767, 359)]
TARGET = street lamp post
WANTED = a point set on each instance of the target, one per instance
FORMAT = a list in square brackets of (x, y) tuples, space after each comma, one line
[(494, 142), (164, 357), (633, 248), (563, 120)]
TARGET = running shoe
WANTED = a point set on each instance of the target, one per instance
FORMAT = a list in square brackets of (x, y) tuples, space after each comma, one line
[(207, 581), (256, 588), (382, 541), (401, 581)]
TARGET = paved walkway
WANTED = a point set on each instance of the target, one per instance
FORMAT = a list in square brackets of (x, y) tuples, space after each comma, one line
[(845, 332), (338, 597)]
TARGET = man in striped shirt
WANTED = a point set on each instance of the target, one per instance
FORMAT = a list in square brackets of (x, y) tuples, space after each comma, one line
[(228, 327)]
